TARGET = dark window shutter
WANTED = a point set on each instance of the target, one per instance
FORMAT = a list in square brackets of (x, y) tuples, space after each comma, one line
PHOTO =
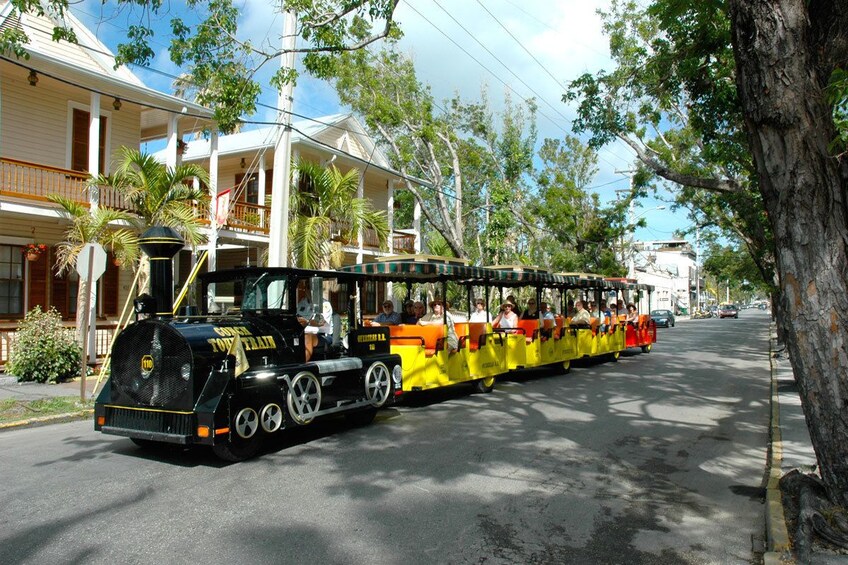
[(109, 286), (38, 272)]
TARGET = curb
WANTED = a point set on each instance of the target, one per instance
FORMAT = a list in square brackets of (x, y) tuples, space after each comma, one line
[(47, 420), (778, 546)]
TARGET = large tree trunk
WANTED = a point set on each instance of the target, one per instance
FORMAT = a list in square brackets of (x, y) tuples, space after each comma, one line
[(783, 52)]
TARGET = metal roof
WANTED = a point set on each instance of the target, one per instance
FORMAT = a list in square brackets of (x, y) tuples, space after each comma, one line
[(424, 268)]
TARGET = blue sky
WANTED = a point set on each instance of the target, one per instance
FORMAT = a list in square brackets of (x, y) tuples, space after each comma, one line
[(525, 49)]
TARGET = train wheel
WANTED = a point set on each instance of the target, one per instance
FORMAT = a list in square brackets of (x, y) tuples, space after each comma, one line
[(271, 418), (242, 442), (246, 423), (566, 366), (378, 384), (486, 384), (304, 397), (647, 348), (361, 417), (615, 355)]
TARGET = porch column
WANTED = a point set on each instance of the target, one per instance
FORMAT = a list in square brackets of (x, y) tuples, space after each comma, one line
[(212, 244), (171, 148), (94, 145), (260, 180), (390, 214), (416, 225), (360, 193)]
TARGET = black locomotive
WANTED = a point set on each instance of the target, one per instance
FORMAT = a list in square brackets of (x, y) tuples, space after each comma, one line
[(263, 354)]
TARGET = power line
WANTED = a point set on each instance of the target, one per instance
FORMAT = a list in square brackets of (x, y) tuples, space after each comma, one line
[(543, 67), (473, 58)]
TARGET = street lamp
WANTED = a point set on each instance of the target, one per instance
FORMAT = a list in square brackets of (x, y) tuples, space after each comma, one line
[(631, 268)]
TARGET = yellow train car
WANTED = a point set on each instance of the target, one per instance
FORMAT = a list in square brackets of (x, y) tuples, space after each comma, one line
[(457, 350)]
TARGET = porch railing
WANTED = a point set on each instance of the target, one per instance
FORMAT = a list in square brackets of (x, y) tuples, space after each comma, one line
[(401, 242), (31, 181), (103, 341), (251, 218)]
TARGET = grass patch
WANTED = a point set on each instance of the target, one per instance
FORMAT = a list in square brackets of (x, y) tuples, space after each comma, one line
[(12, 410)]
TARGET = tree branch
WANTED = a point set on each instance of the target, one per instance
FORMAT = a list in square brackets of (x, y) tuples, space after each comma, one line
[(713, 184)]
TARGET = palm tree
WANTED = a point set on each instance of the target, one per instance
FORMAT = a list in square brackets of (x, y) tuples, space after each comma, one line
[(159, 196), (326, 202), (92, 226)]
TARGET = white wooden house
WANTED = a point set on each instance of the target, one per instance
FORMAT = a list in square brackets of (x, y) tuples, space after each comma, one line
[(64, 113)]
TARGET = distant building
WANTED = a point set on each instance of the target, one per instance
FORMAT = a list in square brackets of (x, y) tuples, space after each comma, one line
[(669, 265)]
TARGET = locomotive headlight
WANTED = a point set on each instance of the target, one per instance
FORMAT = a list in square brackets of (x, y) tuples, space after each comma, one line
[(397, 376), (185, 371)]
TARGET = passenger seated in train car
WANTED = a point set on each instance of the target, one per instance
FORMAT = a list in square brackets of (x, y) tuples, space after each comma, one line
[(569, 312), (531, 313), (438, 317), (515, 306), (317, 327), (547, 313), (606, 316), (581, 317), (408, 315), (479, 314), (632, 314), (419, 309), (388, 316), (507, 318)]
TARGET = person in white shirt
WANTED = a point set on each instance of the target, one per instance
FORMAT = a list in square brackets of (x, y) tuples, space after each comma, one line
[(507, 317), (479, 314)]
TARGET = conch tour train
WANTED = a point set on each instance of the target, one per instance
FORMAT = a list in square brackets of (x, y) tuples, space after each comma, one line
[(269, 349)]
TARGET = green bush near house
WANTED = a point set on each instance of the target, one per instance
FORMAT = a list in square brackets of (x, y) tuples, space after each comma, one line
[(43, 350)]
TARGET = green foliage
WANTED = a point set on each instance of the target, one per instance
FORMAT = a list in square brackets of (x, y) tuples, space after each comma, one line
[(93, 226), (326, 202), (43, 350), (576, 233), (466, 156), (160, 195), (672, 98), (837, 96)]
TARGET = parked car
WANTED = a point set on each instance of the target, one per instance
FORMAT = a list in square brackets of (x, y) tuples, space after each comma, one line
[(664, 318), (728, 311)]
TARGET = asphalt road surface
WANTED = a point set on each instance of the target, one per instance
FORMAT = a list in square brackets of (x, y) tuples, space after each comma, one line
[(658, 458)]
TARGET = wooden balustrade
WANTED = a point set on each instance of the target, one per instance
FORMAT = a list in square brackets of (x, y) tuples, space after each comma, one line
[(36, 182), (103, 340), (248, 217), (31, 181)]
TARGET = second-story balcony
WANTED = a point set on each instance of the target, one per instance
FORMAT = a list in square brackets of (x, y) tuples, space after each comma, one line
[(35, 182), (31, 181), (402, 242)]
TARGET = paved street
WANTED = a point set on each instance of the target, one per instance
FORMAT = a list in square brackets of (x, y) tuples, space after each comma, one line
[(658, 458)]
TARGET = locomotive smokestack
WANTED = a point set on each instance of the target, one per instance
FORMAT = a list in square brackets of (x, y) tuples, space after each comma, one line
[(161, 243)]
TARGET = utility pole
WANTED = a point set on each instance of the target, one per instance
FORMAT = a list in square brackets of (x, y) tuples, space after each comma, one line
[(631, 263), (278, 242), (698, 266)]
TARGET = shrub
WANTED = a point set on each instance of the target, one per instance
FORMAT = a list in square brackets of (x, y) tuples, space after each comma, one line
[(43, 350)]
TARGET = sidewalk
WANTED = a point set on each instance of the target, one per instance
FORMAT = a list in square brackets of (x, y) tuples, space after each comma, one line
[(791, 448), (10, 388)]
